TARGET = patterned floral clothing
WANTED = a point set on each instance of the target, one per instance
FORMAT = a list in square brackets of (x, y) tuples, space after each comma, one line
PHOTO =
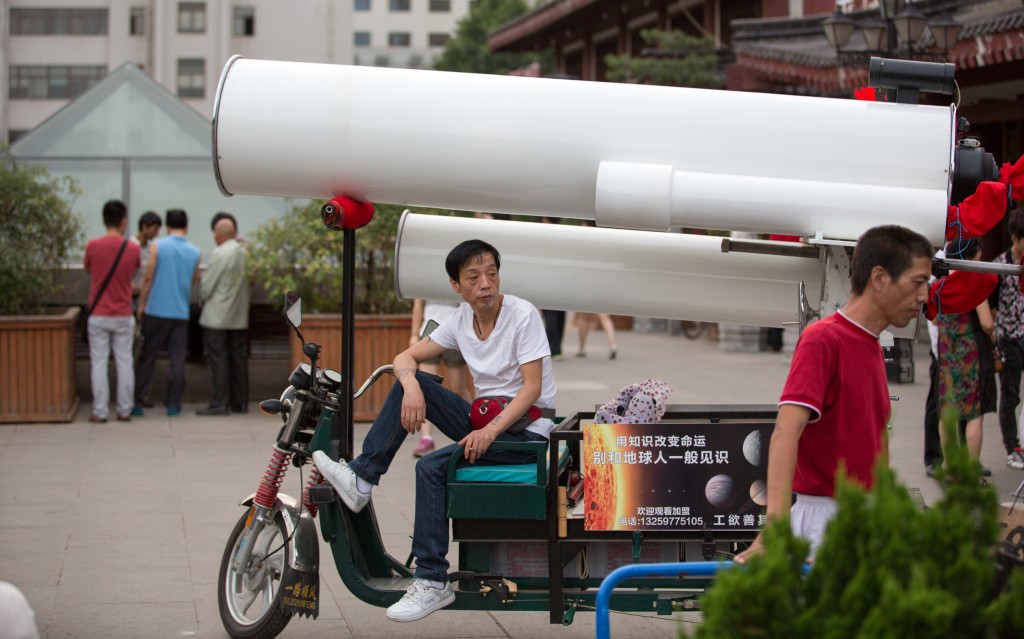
[(966, 373), (1010, 307)]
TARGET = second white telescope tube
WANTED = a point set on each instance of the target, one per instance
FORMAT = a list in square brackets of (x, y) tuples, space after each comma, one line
[(563, 267)]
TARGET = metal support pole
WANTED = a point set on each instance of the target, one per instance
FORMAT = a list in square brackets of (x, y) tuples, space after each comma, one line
[(348, 305)]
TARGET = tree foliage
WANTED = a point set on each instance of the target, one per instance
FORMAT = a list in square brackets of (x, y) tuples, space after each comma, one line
[(692, 64), (468, 52), (38, 233), (886, 569), (298, 253)]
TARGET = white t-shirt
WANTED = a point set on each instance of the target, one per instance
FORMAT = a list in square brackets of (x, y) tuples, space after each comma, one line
[(518, 338)]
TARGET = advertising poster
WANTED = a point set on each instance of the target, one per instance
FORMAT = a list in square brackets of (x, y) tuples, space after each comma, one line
[(675, 476)]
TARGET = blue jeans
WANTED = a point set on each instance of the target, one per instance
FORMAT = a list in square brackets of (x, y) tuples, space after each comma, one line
[(449, 413)]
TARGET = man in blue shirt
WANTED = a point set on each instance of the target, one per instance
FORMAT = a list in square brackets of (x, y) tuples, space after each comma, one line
[(172, 270)]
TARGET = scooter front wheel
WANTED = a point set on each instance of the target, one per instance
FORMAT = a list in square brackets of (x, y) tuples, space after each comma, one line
[(250, 601)]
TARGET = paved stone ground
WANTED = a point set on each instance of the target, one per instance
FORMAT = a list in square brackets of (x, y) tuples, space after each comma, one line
[(117, 530)]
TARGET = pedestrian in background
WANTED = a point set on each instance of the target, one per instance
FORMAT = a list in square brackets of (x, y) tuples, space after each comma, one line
[(966, 371), (585, 322), (149, 227), (932, 442), (554, 321), (111, 261), (1009, 304), (172, 270), (224, 289)]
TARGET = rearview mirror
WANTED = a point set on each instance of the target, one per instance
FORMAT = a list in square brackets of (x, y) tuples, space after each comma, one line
[(428, 328), (293, 308)]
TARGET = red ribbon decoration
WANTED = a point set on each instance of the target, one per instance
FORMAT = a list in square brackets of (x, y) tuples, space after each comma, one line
[(959, 292), (982, 210), (1012, 175)]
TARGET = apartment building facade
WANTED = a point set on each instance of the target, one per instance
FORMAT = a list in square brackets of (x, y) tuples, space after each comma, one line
[(52, 51), (403, 33)]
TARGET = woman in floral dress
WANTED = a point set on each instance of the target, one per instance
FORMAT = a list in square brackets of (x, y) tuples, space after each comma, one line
[(966, 368)]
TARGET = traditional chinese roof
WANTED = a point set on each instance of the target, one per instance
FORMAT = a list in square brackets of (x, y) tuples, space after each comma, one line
[(795, 51)]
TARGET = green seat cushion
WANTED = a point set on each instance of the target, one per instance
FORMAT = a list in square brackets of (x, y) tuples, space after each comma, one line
[(507, 473)]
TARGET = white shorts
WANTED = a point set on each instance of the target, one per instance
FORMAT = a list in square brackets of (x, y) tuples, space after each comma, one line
[(809, 516)]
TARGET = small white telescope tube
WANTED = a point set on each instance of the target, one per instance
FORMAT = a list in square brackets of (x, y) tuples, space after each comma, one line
[(563, 267), (627, 156)]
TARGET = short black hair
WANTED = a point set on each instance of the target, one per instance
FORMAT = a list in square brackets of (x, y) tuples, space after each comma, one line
[(1016, 224), (149, 218), (223, 215), (177, 219), (466, 251), (892, 247), (113, 212)]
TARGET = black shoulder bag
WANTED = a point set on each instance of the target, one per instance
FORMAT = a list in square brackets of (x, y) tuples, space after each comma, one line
[(103, 288)]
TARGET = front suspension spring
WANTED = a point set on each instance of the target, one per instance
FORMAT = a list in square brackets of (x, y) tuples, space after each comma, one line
[(266, 494), (314, 478)]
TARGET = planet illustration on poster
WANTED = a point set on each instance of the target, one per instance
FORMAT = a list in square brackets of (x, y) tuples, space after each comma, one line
[(753, 449), (719, 491), (759, 492)]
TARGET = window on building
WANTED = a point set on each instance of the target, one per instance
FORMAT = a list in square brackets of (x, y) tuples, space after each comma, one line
[(361, 38), (362, 5), (58, 21), (381, 61), (39, 82), (415, 62), (137, 21), (440, 6), (438, 39), (191, 17), (191, 77), (399, 39), (243, 21), (399, 5)]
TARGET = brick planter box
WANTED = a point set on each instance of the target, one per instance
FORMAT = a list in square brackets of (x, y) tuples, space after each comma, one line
[(37, 376)]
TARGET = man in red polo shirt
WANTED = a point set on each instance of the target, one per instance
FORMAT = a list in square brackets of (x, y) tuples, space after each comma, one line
[(113, 260), (835, 404)]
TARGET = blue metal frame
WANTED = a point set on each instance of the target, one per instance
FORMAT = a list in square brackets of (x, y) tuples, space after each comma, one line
[(617, 576)]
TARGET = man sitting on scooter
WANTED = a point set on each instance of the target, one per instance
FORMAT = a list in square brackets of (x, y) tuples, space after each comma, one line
[(502, 339)]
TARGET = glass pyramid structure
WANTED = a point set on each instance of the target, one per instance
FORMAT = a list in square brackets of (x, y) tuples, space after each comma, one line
[(129, 138)]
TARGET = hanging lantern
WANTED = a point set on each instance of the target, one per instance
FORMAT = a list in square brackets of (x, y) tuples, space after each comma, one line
[(910, 24), (838, 29)]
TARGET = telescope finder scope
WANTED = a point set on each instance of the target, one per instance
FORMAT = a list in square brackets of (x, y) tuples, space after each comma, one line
[(910, 77)]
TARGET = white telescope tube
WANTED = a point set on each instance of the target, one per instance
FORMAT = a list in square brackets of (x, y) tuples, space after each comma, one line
[(630, 156), (666, 275)]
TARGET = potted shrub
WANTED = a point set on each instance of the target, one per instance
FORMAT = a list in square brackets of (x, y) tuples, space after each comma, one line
[(40, 233), (298, 253)]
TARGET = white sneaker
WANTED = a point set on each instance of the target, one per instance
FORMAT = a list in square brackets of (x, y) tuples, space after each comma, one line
[(1015, 460), (420, 600), (343, 479)]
